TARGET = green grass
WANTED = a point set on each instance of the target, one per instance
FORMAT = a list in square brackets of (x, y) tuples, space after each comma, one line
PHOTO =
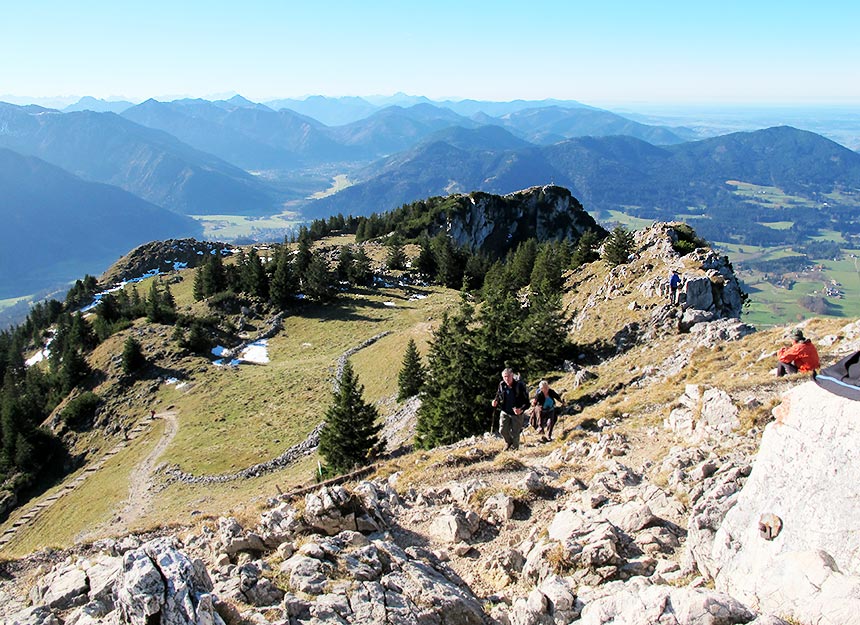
[(230, 227), (8, 303), (770, 197), (88, 506), (338, 183), (777, 225), (631, 223)]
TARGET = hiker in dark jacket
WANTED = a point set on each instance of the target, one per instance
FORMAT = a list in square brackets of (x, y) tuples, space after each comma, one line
[(546, 402), (512, 399)]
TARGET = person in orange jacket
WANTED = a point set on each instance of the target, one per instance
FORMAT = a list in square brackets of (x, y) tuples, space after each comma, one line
[(800, 356)]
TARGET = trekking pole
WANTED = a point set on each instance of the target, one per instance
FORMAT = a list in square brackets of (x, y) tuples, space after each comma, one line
[(493, 419)]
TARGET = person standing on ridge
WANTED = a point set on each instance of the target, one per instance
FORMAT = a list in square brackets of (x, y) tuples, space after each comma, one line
[(674, 284), (800, 356), (512, 399)]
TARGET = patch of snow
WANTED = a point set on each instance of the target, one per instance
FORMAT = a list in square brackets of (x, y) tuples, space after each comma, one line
[(181, 385), (417, 297), (39, 356), (171, 381), (307, 345), (257, 352), (390, 304), (218, 350), (177, 265)]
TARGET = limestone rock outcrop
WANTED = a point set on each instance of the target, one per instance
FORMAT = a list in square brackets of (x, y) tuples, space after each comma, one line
[(789, 544)]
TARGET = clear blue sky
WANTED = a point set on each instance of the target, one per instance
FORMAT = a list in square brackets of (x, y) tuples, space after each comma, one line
[(597, 52)]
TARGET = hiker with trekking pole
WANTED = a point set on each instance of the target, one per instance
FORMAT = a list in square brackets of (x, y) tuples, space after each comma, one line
[(512, 400)]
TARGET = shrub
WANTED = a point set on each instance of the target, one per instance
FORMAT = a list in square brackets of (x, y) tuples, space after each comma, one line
[(80, 412)]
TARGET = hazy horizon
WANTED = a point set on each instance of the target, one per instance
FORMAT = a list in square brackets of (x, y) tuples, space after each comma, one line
[(619, 52)]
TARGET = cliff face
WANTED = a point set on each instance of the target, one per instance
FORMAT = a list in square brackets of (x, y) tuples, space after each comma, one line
[(493, 223), (789, 543)]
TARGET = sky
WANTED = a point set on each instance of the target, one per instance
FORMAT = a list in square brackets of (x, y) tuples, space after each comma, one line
[(751, 51)]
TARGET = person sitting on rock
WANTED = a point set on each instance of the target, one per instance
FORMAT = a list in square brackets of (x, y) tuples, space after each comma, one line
[(800, 356), (545, 402)]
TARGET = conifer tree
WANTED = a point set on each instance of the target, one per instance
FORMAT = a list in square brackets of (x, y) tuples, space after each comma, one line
[(254, 279), (396, 257), (411, 376), (586, 249), (132, 356), (303, 254), (318, 283), (618, 246), (452, 406), (350, 435), (284, 284), (426, 263), (547, 272), (522, 264), (361, 273), (343, 270)]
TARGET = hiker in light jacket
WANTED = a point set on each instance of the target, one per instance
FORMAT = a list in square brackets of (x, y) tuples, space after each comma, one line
[(512, 399), (546, 402)]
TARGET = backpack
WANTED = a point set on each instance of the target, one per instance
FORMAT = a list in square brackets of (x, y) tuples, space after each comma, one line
[(843, 378)]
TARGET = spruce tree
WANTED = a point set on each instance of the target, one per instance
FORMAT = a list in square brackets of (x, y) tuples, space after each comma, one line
[(318, 283), (132, 356), (453, 407), (586, 249), (618, 246), (284, 284), (350, 435), (426, 262), (361, 273), (396, 257), (411, 376)]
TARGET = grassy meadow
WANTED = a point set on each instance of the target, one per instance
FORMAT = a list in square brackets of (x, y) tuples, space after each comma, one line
[(232, 418)]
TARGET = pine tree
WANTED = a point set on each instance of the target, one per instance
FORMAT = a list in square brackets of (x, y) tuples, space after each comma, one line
[(343, 270), (254, 279), (618, 246), (411, 376), (361, 273), (284, 284), (132, 356), (452, 406), (318, 283), (426, 263), (350, 435), (547, 272), (523, 263), (544, 332), (396, 258), (586, 249)]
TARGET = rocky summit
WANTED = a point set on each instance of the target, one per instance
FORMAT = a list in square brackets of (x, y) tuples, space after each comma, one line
[(686, 486)]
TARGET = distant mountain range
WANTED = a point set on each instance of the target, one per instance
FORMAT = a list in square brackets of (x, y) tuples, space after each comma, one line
[(57, 227), (238, 157), (104, 147), (686, 181)]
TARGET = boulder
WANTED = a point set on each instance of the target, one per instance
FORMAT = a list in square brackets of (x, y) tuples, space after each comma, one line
[(789, 544), (65, 587), (453, 525), (639, 602), (330, 510), (159, 581)]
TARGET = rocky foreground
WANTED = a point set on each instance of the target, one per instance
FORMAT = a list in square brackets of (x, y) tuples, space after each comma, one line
[(713, 534)]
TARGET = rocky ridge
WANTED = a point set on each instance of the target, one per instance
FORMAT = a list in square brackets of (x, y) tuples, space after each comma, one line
[(590, 530)]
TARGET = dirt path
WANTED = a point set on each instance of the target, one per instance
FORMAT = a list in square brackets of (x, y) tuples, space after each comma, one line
[(44, 504), (141, 484)]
